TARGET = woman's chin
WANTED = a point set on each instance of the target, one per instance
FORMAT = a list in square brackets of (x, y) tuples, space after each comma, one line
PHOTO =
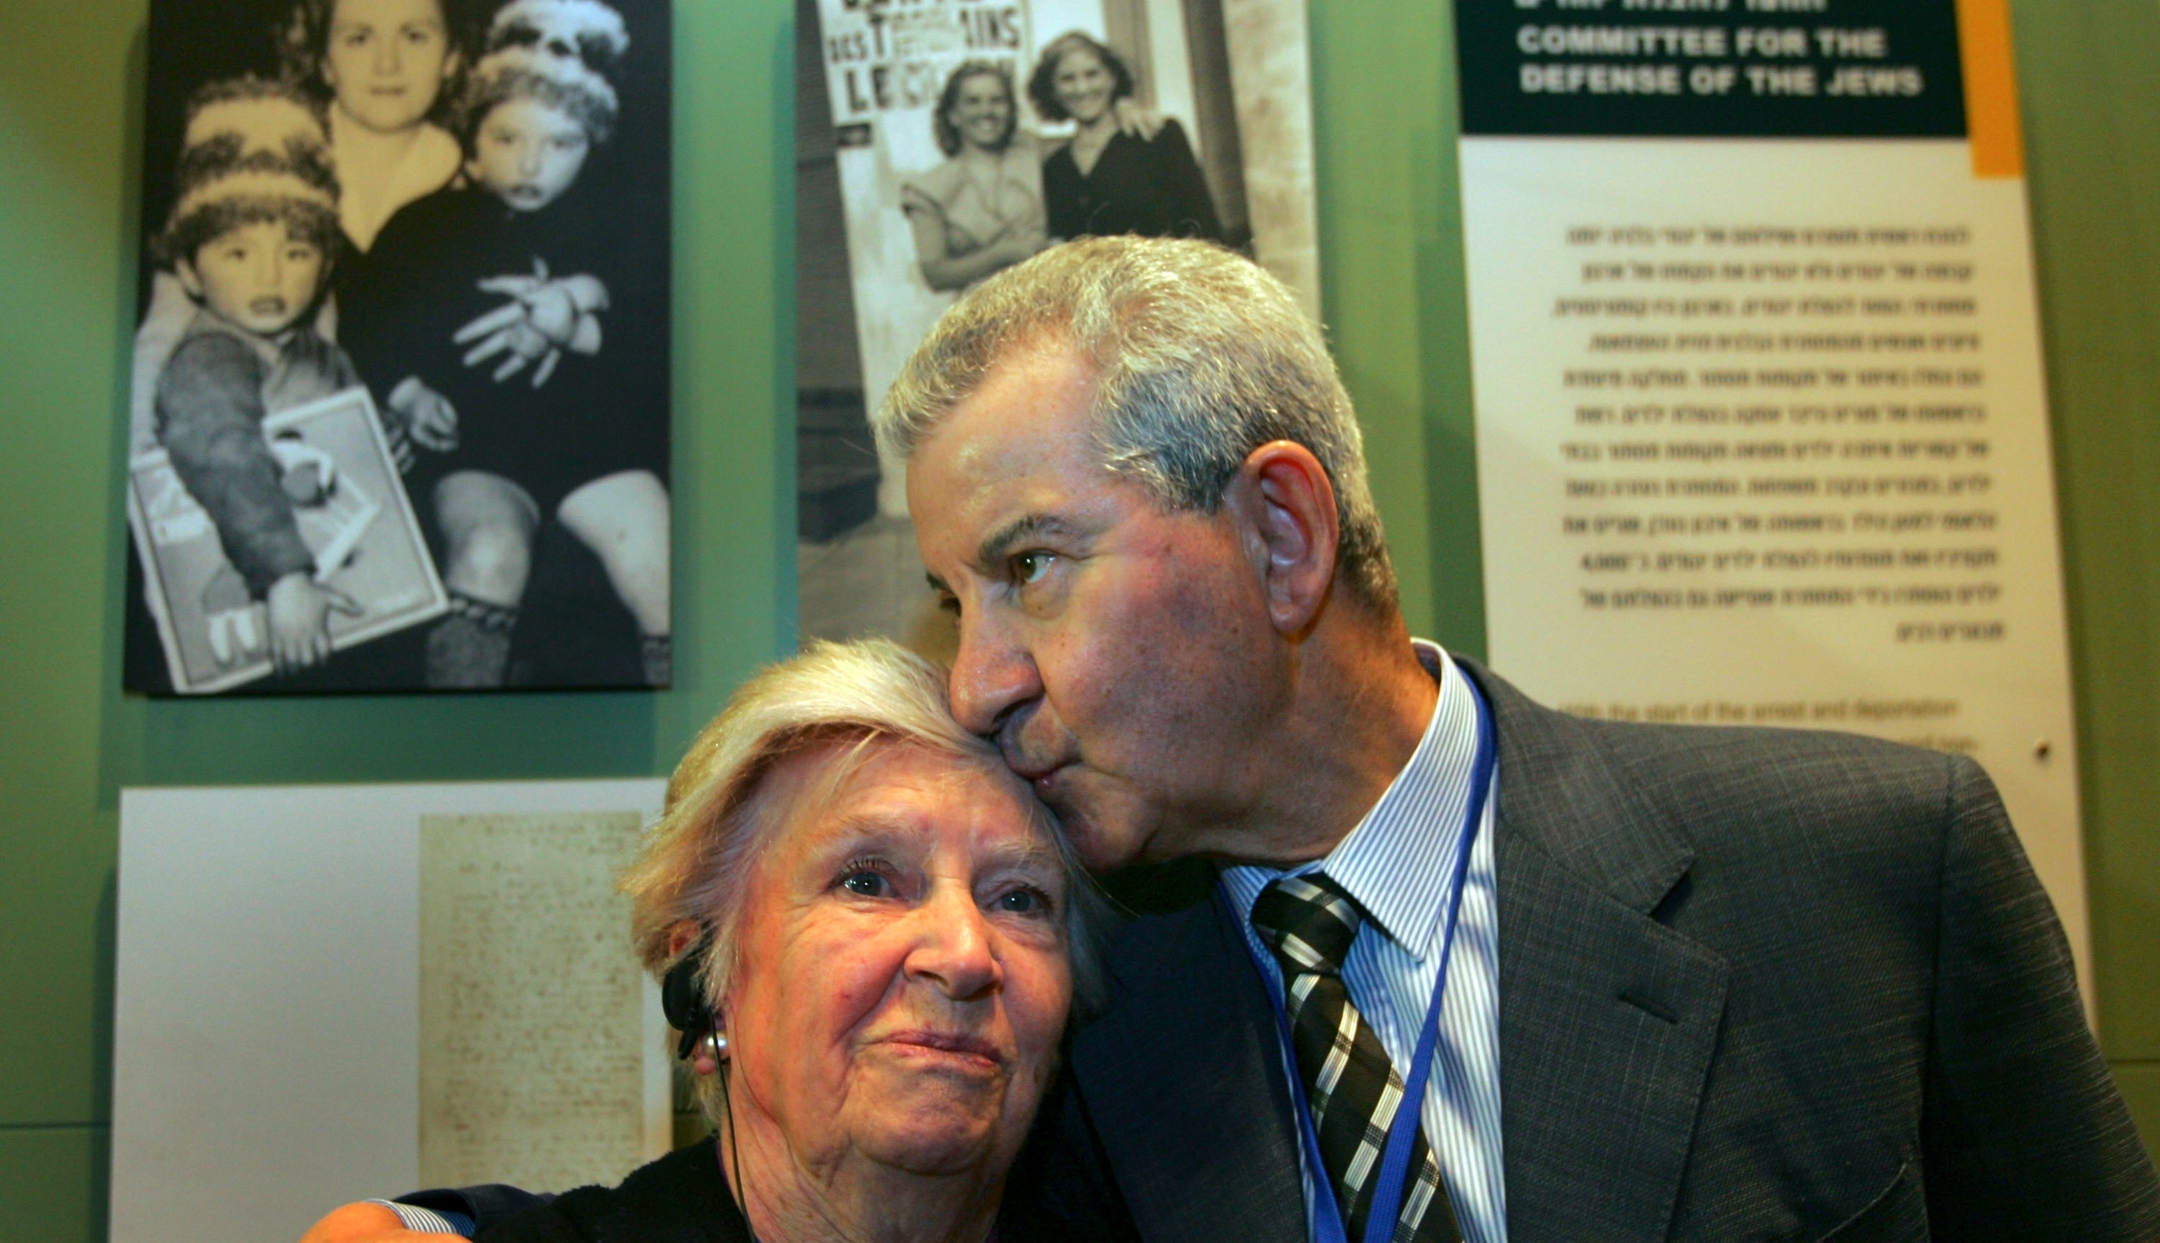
[(930, 1120), (932, 1141)]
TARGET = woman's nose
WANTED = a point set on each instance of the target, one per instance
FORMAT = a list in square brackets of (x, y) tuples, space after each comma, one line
[(952, 953), (992, 675)]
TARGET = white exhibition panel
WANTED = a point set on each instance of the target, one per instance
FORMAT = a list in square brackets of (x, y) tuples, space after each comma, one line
[(266, 1058), (1762, 439)]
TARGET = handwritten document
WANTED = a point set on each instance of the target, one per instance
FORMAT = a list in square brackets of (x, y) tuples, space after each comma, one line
[(531, 1059)]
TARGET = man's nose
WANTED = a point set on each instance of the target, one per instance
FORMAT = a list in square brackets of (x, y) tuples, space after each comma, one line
[(992, 674), (952, 949)]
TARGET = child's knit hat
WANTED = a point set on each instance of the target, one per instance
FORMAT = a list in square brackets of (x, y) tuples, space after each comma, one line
[(520, 72), (260, 114), (583, 30), (229, 181)]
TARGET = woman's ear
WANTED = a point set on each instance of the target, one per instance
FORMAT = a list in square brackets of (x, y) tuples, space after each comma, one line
[(681, 935), (1287, 503)]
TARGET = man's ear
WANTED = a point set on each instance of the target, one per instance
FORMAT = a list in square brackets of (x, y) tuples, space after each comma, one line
[(1288, 503), (190, 279)]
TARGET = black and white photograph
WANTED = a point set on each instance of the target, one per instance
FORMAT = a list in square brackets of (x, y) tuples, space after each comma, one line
[(938, 144), (453, 215)]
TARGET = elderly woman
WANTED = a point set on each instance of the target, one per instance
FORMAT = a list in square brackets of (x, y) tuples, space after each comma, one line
[(1107, 180), (871, 936)]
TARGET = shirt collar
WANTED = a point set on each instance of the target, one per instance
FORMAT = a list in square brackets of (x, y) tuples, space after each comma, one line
[(1397, 862)]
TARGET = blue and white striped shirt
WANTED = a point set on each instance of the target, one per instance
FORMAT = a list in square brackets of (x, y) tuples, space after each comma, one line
[(1396, 863)]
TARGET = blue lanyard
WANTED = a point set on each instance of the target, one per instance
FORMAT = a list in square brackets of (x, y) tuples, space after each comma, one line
[(1395, 1164)]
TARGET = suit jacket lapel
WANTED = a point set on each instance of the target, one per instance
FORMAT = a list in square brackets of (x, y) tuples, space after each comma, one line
[(1608, 1019), (1169, 1078)]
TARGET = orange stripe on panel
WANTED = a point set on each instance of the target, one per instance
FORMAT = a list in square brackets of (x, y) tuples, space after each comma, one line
[(1991, 112)]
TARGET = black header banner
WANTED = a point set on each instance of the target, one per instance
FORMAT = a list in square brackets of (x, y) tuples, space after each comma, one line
[(1711, 68)]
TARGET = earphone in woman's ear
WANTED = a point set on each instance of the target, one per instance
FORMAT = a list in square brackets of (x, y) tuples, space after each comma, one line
[(682, 999)]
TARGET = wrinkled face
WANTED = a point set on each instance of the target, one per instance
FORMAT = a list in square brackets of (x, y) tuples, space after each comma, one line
[(904, 974), (257, 276), (1121, 656), (1084, 85), (388, 60), (528, 153), (982, 112)]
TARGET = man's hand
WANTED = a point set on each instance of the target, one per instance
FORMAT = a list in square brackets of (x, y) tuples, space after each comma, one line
[(366, 1223), (299, 609), (429, 417)]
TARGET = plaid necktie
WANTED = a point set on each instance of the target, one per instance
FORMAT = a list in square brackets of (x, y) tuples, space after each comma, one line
[(1350, 1086)]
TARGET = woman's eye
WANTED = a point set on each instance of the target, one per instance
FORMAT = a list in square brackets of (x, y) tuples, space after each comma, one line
[(1024, 901), (867, 884)]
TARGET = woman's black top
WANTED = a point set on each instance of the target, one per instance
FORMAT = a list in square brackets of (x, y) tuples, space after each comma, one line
[(1151, 187), (680, 1198)]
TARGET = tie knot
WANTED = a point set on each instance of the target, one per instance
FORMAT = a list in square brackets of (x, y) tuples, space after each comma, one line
[(1308, 921)]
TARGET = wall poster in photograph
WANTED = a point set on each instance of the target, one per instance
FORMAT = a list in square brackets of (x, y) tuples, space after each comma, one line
[(935, 146), (1762, 431), (452, 215), (326, 993)]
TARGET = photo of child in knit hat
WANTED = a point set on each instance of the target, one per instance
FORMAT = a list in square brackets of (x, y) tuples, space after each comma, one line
[(501, 459), (248, 521), (455, 212)]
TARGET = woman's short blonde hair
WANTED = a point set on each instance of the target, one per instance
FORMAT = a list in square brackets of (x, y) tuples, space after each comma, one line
[(848, 697)]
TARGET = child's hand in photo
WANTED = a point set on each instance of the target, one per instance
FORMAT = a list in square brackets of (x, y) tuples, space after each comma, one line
[(428, 416), (299, 609)]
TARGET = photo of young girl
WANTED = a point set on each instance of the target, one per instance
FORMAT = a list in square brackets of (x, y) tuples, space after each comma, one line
[(469, 201)]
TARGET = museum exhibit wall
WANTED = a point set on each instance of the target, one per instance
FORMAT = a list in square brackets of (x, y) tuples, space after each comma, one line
[(71, 81)]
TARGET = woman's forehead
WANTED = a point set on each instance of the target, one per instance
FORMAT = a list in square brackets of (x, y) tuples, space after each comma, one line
[(385, 12), (913, 794)]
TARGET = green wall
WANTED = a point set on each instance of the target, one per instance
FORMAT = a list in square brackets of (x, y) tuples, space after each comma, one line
[(70, 92)]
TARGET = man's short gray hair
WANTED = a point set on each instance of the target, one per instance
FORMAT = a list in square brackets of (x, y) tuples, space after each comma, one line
[(1203, 357), (844, 699)]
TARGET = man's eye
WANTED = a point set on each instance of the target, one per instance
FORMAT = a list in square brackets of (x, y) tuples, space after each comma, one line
[(865, 883), (1029, 567)]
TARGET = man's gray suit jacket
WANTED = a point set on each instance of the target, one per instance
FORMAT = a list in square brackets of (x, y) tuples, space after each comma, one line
[(1754, 985)]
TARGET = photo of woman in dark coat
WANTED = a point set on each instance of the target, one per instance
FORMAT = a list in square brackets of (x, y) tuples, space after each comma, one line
[(1106, 180)]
